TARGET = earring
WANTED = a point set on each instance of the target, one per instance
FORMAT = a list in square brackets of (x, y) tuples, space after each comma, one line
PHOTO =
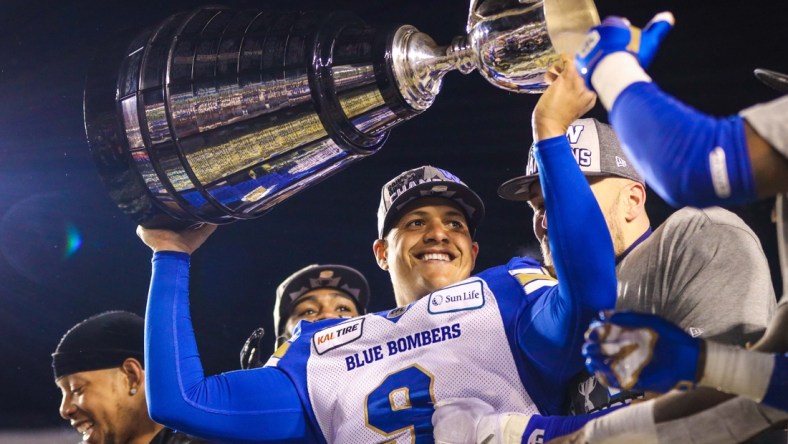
[(133, 391)]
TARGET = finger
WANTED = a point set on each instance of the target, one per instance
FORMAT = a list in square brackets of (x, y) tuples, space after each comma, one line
[(556, 68), (568, 63), (614, 20), (606, 314), (554, 71), (593, 351), (660, 25), (607, 378), (596, 332), (550, 77)]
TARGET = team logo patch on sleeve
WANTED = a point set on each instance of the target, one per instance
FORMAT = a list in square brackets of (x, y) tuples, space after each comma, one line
[(465, 296), (337, 335)]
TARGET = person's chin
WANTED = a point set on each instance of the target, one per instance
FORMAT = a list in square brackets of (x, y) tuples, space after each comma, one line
[(432, 283), (91, 437)]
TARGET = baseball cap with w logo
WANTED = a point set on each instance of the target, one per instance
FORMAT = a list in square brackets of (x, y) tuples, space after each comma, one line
[(596, 150), (426, 181)]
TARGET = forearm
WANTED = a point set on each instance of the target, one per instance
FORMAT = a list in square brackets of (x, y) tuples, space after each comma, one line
[(689, 158), (556, 426), (257, 405), (465, 422), (731, 421), (758, 376)]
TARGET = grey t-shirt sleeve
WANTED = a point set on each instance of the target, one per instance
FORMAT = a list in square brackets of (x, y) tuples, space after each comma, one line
[(782, 241), (770, 121), (705, 271)]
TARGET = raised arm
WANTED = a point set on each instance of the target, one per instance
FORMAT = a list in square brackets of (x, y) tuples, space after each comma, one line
[(258, 405), (688, 157), (579, 239)]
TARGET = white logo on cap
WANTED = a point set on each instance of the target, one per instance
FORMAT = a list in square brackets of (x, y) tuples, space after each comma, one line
[(574, 132), (621, 163)]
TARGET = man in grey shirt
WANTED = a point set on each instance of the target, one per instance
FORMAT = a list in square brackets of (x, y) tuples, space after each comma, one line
[(703, 270)]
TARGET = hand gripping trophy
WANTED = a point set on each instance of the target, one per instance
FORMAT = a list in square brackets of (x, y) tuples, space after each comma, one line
[(217, 114)]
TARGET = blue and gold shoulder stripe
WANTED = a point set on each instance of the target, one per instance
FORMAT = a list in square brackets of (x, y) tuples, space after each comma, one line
[(533, 278)]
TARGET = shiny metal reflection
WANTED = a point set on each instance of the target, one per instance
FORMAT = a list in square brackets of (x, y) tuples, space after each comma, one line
[(216, 114)]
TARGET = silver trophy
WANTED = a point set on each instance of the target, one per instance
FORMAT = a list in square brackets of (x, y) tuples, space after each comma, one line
[(217, 114)]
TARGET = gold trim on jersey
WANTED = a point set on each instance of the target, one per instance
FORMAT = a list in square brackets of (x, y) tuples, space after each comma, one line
[(411, 428), (534, 278)]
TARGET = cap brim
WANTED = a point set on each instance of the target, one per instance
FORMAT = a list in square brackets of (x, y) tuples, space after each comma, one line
[(469, 201), (776, 80), (301, 279), (518, 189)]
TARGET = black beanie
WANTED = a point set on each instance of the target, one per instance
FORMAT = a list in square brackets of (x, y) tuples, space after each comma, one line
[(102, 341)]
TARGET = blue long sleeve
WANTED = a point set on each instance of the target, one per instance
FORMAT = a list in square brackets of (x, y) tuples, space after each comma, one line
[(551, 427), (584, 262), (258, 405), (777, 392), (689, 158)]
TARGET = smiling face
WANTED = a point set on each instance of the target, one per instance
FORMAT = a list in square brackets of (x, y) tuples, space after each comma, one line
[(428, 248), (100, 405), (321, 303)]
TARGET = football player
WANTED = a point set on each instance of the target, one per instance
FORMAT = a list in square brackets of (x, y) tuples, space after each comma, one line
[(509, 335)]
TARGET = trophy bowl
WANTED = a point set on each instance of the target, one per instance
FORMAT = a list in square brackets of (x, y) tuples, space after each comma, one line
[(216, 114)]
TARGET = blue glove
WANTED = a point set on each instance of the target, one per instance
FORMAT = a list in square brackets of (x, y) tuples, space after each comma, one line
[(616, 34), (641, 351)]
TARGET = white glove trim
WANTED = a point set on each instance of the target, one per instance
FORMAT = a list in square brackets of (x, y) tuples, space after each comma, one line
[(634, 423), (614, 74), (738, 371)]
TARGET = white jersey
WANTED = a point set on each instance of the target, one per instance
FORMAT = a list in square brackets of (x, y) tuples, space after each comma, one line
[(378, 376)]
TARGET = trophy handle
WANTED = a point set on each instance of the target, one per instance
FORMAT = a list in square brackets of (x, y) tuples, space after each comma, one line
[(515, 41), (568, 21)]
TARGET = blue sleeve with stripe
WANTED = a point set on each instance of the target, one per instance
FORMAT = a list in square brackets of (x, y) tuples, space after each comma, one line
[(584, 262), (689, 158), (546, 428), (259, 405)]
